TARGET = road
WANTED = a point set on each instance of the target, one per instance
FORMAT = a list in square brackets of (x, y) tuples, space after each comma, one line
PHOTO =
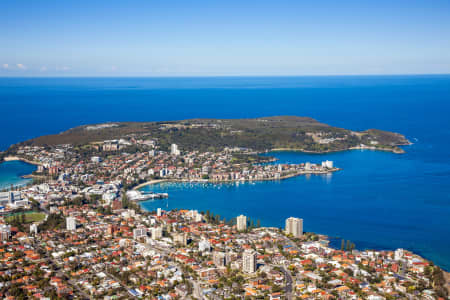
[(289, 281)]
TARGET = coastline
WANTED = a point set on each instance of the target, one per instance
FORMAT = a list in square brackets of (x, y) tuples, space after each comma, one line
[(396, 151), (155, 181), (13, 158)]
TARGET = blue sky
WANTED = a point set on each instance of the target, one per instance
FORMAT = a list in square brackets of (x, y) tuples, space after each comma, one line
[(215, 38)]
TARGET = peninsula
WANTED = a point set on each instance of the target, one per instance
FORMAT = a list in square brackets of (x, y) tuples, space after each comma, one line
[(259, 134), (86, 231)]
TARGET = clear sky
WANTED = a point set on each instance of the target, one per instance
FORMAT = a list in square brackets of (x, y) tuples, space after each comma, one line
[(231, 37)]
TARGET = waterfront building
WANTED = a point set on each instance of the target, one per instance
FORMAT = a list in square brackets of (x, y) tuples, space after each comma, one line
[(294, 226), (139, 232), (249, 261), (241, 223), (159, 212), (195, 215), (71, 223), (156, 233), (327, 164), (398, 254)]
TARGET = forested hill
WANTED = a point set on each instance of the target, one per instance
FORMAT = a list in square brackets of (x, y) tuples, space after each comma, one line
[(260, 134)]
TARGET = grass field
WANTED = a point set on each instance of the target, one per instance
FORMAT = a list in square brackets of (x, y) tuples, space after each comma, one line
[(29, 217)]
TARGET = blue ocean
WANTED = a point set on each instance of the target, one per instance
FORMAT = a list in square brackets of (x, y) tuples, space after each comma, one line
[(379, 200)]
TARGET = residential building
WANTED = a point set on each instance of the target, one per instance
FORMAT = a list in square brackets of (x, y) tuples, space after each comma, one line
[(71, 223), (241, 223), (139, 232), (294, 226), (249, 261)]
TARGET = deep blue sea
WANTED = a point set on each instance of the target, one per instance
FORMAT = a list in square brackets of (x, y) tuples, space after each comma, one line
[(379, 200)]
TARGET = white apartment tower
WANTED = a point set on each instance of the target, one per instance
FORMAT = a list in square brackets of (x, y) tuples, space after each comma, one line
[(241, 223), (294, 226), (71, 223), (174, 150), (249, 261)]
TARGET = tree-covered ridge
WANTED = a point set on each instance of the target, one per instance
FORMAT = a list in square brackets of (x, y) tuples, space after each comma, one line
[(260, 134)]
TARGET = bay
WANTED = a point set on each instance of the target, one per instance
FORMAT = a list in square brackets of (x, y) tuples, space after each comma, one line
[(379, 200)]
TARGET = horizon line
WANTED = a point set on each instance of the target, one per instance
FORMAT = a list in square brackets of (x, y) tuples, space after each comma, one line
[(222, 76)]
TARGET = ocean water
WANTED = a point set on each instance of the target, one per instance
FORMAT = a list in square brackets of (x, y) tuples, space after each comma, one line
[(11, 172), (379, 200)]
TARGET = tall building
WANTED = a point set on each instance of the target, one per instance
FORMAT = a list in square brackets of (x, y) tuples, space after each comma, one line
[(158, 212), (294, 226), (71, 223), (139, 232), (249, 261), (180, 238), (174, 149), (5, 232), (241, 223), (219, 259), (156, 233), (33, 228)]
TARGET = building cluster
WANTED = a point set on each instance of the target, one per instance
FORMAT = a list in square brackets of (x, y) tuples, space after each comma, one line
[(80, 252), (93, 244), (65, 172)]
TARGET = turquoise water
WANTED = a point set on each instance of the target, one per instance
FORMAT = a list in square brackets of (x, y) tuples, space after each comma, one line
[(11, 172), (378, 200)]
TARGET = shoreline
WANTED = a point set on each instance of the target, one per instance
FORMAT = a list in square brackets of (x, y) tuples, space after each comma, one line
[(155, 181), (373, 148), (15, 158)]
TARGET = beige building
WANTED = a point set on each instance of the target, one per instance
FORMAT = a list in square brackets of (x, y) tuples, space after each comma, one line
[(241, 223), (294, 226), (180, 238), (219, 259), (249, 261)]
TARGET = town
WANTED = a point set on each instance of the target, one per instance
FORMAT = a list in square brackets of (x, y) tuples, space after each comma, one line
[(77, 231)]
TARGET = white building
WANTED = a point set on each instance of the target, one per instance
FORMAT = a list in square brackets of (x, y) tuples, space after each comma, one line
[(174, 150), (398, 254), (308, 166), (294, 226), (159, 212), (33, 228), (241, 223), (249, 261), (96, 159), (204, 245), (327, 164), (139, 232), (195, 215), (71, 223), (10, 197), (156, 233), (5, 232)]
